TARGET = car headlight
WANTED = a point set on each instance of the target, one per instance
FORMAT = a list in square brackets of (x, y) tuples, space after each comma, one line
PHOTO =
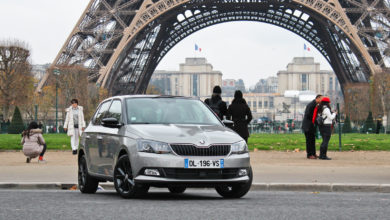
[(239, 147), (153, 147)]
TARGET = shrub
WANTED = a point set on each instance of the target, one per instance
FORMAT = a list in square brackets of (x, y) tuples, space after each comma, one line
[(369, 125), (17, 125), (347, 126)]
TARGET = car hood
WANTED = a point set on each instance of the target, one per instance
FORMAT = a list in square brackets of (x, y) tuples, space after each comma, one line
[(200, 135)]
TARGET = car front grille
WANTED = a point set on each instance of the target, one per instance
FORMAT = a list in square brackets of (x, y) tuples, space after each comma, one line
[(192, 150), (182, 173)]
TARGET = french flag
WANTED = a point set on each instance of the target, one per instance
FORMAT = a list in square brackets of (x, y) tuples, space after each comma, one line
[(198, 48), (306, 47)]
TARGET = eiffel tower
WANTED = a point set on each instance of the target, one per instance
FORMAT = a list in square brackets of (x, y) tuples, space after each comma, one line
[(122, 41)]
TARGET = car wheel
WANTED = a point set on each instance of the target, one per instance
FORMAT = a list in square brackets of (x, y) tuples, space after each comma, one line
[(124, 180), (237, 190), (87, 184), (177, 189)]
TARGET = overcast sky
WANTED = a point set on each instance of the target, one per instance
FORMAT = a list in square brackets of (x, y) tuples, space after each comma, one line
[(247, 50)]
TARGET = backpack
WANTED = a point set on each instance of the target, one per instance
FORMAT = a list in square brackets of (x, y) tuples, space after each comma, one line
[(215, 106), (320, 119)]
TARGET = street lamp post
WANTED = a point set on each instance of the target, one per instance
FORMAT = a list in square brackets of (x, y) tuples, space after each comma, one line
[(295, 107), (36, 112), (57, 73)]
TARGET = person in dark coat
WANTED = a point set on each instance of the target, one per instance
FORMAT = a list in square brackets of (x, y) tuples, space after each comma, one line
[(309, 128), (216, 104), (241, 115)]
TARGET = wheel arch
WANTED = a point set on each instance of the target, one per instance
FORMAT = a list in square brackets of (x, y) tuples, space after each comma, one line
[(123, 151), (81, 153)]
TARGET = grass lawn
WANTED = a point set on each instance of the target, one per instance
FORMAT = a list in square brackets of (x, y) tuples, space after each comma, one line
[(53, 141), (284, 142), (279, 142)]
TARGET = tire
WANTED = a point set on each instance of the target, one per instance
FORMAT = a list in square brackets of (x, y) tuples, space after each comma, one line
[(87, 184), (236, 190), (124, 180), (177, 189)]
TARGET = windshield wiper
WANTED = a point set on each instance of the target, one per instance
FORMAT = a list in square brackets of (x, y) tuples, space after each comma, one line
[(138, 123), (168, 96)]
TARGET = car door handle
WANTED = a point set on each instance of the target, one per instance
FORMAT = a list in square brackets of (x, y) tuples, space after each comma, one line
[(88, 137), (99, 137)]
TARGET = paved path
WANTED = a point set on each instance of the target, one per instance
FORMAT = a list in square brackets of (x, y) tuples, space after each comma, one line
[(359, 167)]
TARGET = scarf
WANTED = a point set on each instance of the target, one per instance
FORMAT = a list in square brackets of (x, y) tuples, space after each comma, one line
[(314, 114)]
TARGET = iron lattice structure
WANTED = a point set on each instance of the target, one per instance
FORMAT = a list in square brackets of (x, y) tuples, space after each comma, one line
[(122, 41)]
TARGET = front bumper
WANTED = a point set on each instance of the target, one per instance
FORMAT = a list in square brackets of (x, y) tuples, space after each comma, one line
[(162, 181), (172, 171)]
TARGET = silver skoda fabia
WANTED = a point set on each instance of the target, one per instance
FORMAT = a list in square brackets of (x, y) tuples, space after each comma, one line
[(161, 141)]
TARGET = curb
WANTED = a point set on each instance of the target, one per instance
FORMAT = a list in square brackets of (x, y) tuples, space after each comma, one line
[(302, 187), (322, 187)]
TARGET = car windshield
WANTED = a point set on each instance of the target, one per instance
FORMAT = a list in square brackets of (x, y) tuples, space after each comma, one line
[(168, 111)]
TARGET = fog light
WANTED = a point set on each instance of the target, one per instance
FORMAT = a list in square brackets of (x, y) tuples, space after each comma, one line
[(242, 172), (152, 172)]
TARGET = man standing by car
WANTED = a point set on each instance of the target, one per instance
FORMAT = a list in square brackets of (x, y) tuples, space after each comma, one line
[(216, 103), (309, 128)]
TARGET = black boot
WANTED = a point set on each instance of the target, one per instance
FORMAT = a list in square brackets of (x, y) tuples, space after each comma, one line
[(321, 157)]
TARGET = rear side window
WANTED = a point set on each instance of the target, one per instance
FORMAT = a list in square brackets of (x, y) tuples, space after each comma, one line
[(101, 112), (115, 110)]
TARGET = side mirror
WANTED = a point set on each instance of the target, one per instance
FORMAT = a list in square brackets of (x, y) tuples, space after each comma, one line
[(111, 123), (228, 123)]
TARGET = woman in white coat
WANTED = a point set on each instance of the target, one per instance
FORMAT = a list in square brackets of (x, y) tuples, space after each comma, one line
[(74, 124)]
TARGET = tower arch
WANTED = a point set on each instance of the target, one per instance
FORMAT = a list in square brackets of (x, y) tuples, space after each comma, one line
[(137, 40)]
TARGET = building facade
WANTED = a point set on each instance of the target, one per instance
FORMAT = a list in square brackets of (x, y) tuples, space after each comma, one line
[(196, 77), (229, 86), (277, 98), (304, 74), (274, 106), (268, 85)]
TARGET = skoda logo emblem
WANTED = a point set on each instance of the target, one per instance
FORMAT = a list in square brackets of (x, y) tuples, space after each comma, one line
[(202, 141)]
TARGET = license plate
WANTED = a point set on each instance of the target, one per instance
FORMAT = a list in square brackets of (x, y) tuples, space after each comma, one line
[(190, 163)]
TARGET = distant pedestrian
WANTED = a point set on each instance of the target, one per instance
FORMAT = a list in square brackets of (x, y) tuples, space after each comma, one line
[(309, 128), (216, 104), (378, 126), (40, 125), (241, 115), (326, 128), (33, 143), (74, 124)]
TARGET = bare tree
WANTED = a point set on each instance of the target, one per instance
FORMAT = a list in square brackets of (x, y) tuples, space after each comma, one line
[(381, 90), (96, 95), (16, 79), (73, 83), (28, 107), (357, 99)]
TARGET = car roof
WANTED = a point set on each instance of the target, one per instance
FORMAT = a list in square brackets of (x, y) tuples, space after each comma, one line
[(149, 96)]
